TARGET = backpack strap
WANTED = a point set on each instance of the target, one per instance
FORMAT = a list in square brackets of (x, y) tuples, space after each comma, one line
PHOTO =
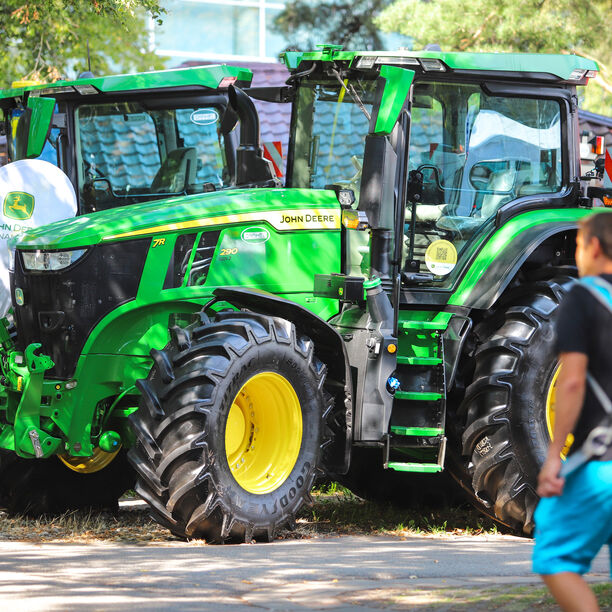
[(599, 288), (600, 438)]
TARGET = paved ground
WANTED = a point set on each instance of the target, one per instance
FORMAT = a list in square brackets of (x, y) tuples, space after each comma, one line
[(341, 573)]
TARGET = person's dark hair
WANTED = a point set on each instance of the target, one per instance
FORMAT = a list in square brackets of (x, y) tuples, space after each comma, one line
[(599, 226)]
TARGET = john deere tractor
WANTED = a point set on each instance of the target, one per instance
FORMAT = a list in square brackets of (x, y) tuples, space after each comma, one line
[(390, 308)]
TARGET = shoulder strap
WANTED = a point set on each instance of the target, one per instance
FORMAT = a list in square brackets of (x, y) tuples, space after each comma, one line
[(600, 394), (599, 288)]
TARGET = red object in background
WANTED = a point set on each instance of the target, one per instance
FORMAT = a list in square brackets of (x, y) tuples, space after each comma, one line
[(273, 151)]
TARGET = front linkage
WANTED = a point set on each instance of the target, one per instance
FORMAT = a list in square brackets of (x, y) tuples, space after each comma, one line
[(37, 421), (26, 425)]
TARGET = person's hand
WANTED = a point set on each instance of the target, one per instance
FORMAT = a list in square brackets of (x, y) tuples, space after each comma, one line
[(549, 481)]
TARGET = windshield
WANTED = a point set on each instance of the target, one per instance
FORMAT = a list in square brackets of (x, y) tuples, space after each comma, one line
[(129, 153), (329, 134), (476, 153)]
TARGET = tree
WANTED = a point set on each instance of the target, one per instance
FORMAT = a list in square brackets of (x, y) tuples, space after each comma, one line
[(550, 26), (351, 24), (48, 39)]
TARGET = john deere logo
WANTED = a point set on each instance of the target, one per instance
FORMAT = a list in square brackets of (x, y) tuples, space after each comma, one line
[(18, 205), (19, 296)]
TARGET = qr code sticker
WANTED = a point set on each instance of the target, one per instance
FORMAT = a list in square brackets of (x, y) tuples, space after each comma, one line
[(441, 253)]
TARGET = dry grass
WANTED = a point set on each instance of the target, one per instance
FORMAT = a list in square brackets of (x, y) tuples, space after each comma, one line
[(336, 511), (504, 598)]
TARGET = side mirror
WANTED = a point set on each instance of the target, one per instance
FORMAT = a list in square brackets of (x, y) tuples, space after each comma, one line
[(33, 127)]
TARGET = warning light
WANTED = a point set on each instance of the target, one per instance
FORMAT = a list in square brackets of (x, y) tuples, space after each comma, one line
[(598, 145), (227, 81), (607, 201)]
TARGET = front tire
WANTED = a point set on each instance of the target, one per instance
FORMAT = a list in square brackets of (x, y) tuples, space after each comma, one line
[(230, 428)]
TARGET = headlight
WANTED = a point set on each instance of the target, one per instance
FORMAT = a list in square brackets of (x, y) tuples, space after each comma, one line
[(11, 259), (50, 260)]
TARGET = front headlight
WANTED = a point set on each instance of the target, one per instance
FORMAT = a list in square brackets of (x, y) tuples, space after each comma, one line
[(11, 259), (50, 260)]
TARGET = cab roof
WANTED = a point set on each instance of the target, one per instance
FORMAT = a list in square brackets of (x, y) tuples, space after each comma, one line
[(561, 67), (213, 77)]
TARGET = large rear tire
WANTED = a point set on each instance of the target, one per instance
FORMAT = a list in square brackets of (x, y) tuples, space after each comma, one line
[(507, 406), (37, 487), (230, 428)]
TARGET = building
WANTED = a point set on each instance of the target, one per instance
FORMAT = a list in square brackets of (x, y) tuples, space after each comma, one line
[(213, 30)]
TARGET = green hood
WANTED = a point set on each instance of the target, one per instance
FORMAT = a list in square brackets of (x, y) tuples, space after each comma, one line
[(284, 209)]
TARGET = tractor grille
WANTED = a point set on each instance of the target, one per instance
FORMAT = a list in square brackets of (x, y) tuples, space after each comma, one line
[(61, 308)]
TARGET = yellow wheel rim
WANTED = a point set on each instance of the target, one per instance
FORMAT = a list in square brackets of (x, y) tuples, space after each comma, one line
[(551, 399), (263, 433), (87, 465)]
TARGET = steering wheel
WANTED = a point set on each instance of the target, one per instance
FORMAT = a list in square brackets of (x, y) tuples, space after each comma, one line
[(435, 171)]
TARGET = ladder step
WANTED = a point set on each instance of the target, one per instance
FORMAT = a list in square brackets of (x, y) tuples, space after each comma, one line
[(429, 325), (429, 361), (422, 396), (416, 431), (428, 468)]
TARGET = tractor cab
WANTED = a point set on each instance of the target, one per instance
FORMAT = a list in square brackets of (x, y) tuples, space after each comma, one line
[(128, 139), (473, 145)]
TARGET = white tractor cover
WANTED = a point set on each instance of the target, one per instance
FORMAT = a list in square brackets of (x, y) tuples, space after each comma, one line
[(32, 193)]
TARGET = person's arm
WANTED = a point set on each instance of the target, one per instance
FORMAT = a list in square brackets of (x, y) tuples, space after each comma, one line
[(571, 386)]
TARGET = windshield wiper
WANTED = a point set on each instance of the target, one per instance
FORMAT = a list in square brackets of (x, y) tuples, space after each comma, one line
[(351, 92)]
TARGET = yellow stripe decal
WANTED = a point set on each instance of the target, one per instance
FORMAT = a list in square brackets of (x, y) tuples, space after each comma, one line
[(302, 219)]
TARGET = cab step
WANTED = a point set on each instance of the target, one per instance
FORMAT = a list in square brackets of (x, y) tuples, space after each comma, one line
[(419, 396), (424, 325), (425, 432), (423, 361), (423, 468)]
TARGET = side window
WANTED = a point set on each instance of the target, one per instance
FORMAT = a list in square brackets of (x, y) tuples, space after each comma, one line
[(49, 152), (199, 129), (118, 143), (476, 153)]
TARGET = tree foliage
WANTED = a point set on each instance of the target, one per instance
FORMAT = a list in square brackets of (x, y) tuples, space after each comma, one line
[(48, 39), (539, 26), (351, 24)]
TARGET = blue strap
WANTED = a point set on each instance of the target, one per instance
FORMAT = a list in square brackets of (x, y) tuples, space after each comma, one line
[(600, 438), (599, 288)]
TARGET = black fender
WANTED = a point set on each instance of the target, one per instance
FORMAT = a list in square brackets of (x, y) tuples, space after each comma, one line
[(329, 348), (506, 266)]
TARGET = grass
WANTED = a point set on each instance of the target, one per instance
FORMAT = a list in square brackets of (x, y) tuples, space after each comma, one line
[(336, 511), (506, 599)]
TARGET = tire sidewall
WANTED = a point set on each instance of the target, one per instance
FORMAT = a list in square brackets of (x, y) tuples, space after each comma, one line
[(528, 400), (264, 508)]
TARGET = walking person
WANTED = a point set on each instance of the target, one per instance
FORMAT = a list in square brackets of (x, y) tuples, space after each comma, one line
[(574, 518)]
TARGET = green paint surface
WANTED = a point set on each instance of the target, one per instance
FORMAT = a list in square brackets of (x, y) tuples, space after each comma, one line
[(502, 239), (205, 76), (397, 88), (560, 66), (40, 122), (203, 210)]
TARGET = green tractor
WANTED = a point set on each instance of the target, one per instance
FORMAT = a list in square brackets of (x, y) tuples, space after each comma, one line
[(390, 309)]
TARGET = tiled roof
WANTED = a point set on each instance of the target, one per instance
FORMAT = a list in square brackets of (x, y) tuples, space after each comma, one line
[(274, 119), (128, 153)]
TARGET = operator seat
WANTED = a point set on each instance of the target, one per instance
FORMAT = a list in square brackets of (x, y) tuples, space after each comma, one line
[(501, 183), (177, 172)]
